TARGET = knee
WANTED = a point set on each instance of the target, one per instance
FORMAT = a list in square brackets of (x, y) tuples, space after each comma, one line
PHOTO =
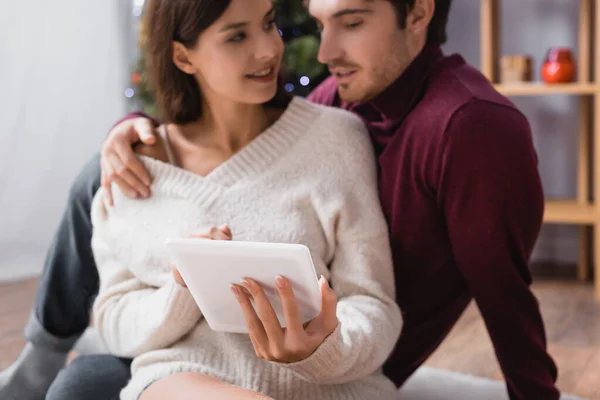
[(65, 385), (186, 385), (86, 184), (90, 377)]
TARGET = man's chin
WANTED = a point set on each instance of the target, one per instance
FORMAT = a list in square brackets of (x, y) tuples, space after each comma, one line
[(349, 95), (353, 97)]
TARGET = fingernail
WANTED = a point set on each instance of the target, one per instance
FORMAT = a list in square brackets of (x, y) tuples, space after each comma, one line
[(234, 289), (325, 281), (246, 285), (279, 281)]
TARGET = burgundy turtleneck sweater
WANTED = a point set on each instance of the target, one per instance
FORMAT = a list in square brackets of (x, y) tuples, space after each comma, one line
[(461, 192)]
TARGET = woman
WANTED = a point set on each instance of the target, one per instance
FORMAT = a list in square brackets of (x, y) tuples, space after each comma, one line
[(237, 153)]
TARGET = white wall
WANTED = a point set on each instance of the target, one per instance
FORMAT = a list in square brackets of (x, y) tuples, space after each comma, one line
[(63, 67), (531, 27), (64, 64)]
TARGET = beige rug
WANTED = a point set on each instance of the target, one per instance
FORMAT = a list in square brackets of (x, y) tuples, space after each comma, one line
[(436, 384)]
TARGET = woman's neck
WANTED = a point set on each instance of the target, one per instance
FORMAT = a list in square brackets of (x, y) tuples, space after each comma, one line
[(229, 125)]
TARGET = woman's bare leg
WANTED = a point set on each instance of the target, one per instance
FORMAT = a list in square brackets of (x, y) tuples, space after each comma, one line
[(190, 385)]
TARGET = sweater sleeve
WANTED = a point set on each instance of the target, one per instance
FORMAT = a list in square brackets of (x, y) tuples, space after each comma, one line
[(133, 317), (362, 276), (491, 194)]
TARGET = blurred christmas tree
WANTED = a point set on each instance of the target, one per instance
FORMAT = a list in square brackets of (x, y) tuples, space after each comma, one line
[(301, 70)]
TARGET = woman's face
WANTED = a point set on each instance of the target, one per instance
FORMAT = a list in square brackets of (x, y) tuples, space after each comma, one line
[(239, 56)]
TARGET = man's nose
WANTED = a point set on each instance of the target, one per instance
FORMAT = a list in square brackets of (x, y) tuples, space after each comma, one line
[(329, 49)]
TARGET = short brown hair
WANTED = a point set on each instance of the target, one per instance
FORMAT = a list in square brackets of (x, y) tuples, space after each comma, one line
[(436, 32), (178, 94)]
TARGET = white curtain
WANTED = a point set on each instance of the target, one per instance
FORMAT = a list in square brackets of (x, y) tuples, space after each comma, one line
[(63, 70)]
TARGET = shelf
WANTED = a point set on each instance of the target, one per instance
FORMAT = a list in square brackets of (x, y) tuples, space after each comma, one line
[(570, 212), (538, 89)]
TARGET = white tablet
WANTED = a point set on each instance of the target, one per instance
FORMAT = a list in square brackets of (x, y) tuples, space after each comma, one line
[(210, 266)]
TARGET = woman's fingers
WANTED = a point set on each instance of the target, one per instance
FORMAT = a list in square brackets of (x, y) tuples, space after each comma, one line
[(225, 229), (266, 313), (327, 320), (255, 326), (293, 343), (213, 233), (289, 306)]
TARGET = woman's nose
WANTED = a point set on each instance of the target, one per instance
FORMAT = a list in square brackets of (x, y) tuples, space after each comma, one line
[(268, 47)]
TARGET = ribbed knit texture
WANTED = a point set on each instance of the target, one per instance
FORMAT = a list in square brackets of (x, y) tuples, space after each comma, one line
[(310, 178)]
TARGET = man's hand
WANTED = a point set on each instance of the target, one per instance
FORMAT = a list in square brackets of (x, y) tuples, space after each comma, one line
[(212, 233), (294, 342), (118, 162)]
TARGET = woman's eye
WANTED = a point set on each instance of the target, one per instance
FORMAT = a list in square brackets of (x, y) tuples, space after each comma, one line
[(270, 25), (238, 38)]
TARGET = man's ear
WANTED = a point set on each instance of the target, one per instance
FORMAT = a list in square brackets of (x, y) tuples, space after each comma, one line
[(181, 58), (418, 19)]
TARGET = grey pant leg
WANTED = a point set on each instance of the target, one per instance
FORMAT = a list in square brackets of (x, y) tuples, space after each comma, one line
[(70, 280), (95, 377)]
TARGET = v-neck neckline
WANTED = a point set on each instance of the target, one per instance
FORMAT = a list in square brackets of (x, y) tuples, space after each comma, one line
[(251, 160)]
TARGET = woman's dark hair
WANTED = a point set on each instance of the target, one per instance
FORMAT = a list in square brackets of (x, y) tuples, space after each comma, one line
[(177, 94)]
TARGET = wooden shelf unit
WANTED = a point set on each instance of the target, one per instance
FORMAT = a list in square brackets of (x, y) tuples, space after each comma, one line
[(540, 89), (569, 212), (582, 210)]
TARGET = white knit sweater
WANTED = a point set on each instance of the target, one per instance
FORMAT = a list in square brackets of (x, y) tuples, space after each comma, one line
[(310, 178)]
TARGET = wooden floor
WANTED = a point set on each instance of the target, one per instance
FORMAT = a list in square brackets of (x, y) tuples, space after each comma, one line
[(572, 319), (571, 315)]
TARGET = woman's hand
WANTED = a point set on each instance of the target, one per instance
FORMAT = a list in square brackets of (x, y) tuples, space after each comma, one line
[(212, 233), (295, 342)]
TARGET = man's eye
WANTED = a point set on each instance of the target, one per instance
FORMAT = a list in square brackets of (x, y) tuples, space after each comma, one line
[(354, 25)]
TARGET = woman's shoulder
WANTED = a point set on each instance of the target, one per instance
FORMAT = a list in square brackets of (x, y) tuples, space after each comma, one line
[(331, 124), (339, 127), (331, 113), (337, 140)]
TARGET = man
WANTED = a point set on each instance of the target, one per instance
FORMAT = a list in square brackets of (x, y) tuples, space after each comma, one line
[(459, 186)]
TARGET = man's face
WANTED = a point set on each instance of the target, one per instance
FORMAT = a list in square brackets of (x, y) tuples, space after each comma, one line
[(362, 44)]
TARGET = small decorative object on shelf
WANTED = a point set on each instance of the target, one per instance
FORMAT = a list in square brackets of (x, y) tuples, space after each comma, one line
[(516, 69), (559, 66)]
